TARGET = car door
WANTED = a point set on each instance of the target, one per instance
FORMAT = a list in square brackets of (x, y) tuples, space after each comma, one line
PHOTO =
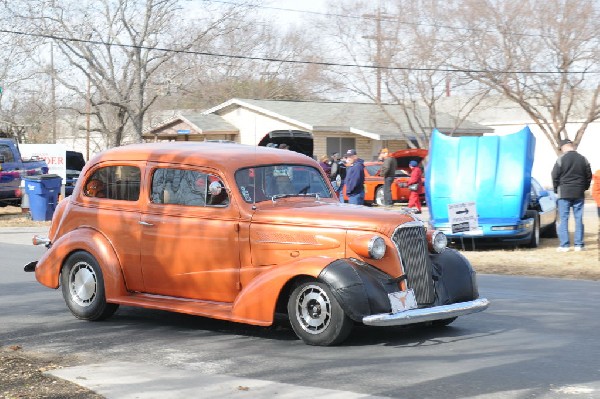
[(546, 202), (9, 173), (190, 244)]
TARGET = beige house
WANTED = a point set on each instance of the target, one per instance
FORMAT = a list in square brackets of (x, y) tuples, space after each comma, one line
[(333, 126)]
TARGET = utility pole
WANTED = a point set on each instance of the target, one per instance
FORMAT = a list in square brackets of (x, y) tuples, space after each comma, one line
[(378, 40), (53, 90), (88, 111), (378, 16)]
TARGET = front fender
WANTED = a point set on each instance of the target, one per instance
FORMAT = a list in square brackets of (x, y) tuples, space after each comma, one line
[(454, 277), (360, 288), (47, 271), (256, 303)]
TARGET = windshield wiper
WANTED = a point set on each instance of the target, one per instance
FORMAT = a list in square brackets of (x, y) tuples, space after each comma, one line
[(278, 196)]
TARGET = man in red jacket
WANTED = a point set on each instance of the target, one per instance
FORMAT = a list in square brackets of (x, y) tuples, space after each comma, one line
[(416, 177)]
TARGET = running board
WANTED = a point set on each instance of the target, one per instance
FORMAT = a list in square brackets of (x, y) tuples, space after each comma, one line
[(211, 309)]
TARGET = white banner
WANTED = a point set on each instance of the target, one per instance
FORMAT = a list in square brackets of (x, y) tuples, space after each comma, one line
[(55, 156)]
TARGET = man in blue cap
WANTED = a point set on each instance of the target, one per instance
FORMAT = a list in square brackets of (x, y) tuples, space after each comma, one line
[(355, 178), (415, 186)]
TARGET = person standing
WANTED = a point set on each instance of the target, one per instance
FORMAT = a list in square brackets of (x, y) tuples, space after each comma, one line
[(325, 164), (416, 177), (388, 172), (571, 176), (355, 178), (596, 192), (338, 175)]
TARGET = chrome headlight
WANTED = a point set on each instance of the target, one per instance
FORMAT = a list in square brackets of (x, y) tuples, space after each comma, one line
[(438, 241), (376, 247)]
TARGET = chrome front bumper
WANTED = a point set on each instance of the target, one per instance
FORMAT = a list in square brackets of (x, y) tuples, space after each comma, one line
[(427, 314)]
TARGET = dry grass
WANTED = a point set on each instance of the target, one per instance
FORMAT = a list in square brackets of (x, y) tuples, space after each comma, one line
[(543, 261), (12, 216)]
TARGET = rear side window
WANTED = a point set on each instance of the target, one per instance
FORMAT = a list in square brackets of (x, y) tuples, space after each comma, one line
[(114, 182), (8, 155), (188, 187)]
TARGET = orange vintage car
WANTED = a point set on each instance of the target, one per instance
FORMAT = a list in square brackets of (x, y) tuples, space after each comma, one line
[(400, 192), (243, 233)]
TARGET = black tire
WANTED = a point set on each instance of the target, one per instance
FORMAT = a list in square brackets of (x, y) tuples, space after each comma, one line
[(550, 230), (442, 323), (316, 316), (379, 199), (534, 242), (83, 288)]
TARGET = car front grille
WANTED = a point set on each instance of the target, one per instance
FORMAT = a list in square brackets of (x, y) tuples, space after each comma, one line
[(411, 241)]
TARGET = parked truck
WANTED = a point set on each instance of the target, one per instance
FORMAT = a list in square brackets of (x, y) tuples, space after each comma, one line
[(13, 169)]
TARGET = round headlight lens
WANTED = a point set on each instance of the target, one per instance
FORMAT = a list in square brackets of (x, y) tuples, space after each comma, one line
[(439, 241), (376, 247)]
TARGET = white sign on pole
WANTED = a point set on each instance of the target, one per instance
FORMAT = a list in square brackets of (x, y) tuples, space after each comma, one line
[(463, 218), (55, 156)]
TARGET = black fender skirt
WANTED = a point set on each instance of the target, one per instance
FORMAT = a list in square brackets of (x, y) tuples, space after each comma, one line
[(362, 290), (454, 278)]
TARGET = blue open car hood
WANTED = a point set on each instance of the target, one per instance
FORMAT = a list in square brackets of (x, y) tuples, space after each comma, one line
[(493, 171)]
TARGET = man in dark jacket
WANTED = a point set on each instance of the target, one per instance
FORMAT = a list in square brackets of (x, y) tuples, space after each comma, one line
[(355, 178), (388, 172), (571, 176)]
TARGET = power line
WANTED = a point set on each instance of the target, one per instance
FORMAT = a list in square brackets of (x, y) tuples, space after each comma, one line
[(372, 17), (286, 61)]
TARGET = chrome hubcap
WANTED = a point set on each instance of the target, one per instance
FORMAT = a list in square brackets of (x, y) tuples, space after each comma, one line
[(313, 309), (83, 284), (379, 198)]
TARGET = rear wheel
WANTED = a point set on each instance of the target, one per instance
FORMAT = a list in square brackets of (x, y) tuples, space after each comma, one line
[(316, 316), (379, 196), (83, 288), (550, 231)]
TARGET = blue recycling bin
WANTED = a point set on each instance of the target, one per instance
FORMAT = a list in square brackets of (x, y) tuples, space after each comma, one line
[(43, 191)]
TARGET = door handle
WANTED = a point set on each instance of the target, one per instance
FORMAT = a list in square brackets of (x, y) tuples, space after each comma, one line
[(145, 223)]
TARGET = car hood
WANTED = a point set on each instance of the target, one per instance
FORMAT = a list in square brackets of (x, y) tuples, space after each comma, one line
[(330, 214), (403, 157)]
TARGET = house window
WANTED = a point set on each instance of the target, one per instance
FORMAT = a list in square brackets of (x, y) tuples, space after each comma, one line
[(340, 144)]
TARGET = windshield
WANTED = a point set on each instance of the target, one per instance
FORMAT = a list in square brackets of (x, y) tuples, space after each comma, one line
[(277, 181)]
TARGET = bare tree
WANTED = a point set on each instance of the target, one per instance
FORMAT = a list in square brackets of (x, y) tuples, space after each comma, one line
[(408, 50), (211, 80), (542, 55), (119, 47), (23, 105)]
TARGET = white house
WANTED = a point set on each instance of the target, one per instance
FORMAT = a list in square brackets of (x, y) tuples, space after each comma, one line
[(333, 126)]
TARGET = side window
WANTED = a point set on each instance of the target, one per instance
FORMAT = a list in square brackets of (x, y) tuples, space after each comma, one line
[(7, 153), (114, 182), (187, 187)]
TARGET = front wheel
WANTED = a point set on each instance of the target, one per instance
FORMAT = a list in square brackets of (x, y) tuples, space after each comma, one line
[(83, 288), (534, 242), (316, 316)]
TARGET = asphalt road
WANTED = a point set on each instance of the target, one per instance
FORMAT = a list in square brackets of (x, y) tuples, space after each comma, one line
[(538, 339)]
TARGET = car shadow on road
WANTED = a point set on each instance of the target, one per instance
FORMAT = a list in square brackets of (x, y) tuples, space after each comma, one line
[(396, 336)]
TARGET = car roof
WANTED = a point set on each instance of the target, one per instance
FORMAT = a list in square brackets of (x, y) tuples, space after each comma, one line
[(220, 155)]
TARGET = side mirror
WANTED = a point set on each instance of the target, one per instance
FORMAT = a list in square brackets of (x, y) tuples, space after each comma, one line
[(543, 193)]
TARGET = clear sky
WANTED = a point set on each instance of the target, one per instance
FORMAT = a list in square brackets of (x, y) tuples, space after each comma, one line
[(282, 9)]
